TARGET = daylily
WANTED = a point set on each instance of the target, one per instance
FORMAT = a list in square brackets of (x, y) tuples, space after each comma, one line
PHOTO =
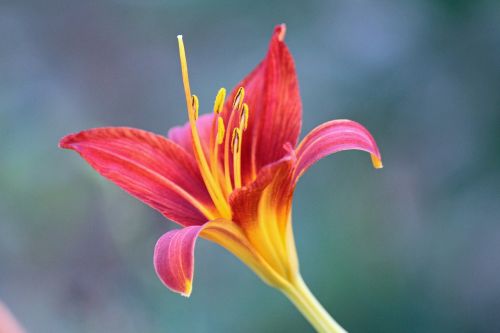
[(229, 176)]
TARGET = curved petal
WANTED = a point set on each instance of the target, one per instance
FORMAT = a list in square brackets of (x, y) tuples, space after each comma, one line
[(262, 210), (332, 137), (275, 117), (174, 253), (149, 167), (174, 258), (183, 137), (245, 200)]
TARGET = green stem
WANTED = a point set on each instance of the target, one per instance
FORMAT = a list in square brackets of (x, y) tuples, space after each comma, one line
[(309, 306)]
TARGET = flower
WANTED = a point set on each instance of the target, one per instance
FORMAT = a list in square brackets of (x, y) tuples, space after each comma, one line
[(227, 176)]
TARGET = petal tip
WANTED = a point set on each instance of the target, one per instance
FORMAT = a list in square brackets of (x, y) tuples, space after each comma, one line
[(66, 141), (377, 163), (188, 289), (280, 31)]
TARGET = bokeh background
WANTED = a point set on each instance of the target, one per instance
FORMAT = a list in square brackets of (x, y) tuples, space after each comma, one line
[(413, 247)]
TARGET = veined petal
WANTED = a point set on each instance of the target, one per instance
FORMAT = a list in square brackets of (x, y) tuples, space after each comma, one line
[(275, 117), (174, 258), (183, 137), (174, 253), (331, 137), (262, 210), (148, 166), (245, 200)]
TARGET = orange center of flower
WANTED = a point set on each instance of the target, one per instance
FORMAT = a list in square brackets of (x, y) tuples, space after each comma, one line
[(219, 179)]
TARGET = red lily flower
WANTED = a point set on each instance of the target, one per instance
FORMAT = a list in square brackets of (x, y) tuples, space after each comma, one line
[(228, 176)]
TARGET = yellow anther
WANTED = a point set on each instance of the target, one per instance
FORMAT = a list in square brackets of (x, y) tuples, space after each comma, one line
[(219, 101), (238, 99), (235, 141), (236, 150), (196, 106), (244, 116), (221, 130)]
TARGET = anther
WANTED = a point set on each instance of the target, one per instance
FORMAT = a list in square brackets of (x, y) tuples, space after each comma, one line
[(219, 101), (238, 99), (196, 105), (244, 116), (235, 141), (221, 130)]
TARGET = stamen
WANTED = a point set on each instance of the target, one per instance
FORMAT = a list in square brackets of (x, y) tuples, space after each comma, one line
[(220, 131), (217, 137), (235, 140), (196, 106), (229, 143), (244, 116), (238, 99), (236, 150), (227, 172), (219, 101), (192, 103), (215, 142)]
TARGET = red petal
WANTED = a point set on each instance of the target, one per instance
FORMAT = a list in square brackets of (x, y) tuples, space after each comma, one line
[(174, 258), (275, 117), (262, 210), (245, 200), (183, 137), (331, 137), (149, 167)]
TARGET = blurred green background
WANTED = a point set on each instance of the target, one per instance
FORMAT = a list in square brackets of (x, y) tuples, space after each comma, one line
[(413, 247)]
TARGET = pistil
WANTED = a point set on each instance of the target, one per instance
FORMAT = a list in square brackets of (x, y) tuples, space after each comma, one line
[(192, 105)]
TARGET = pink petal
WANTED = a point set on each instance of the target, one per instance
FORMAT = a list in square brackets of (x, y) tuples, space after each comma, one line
[(183, 137), (174, 258), (331, 137), (148, 166), (8, 323), (275, 117)]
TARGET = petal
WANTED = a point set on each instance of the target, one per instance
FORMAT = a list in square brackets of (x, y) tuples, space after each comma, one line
[(275, 117), (174, 253), (183, 137), (331, 137), (148, 166), (8, 323), (262, 210), (174, 258), (245, 200)]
